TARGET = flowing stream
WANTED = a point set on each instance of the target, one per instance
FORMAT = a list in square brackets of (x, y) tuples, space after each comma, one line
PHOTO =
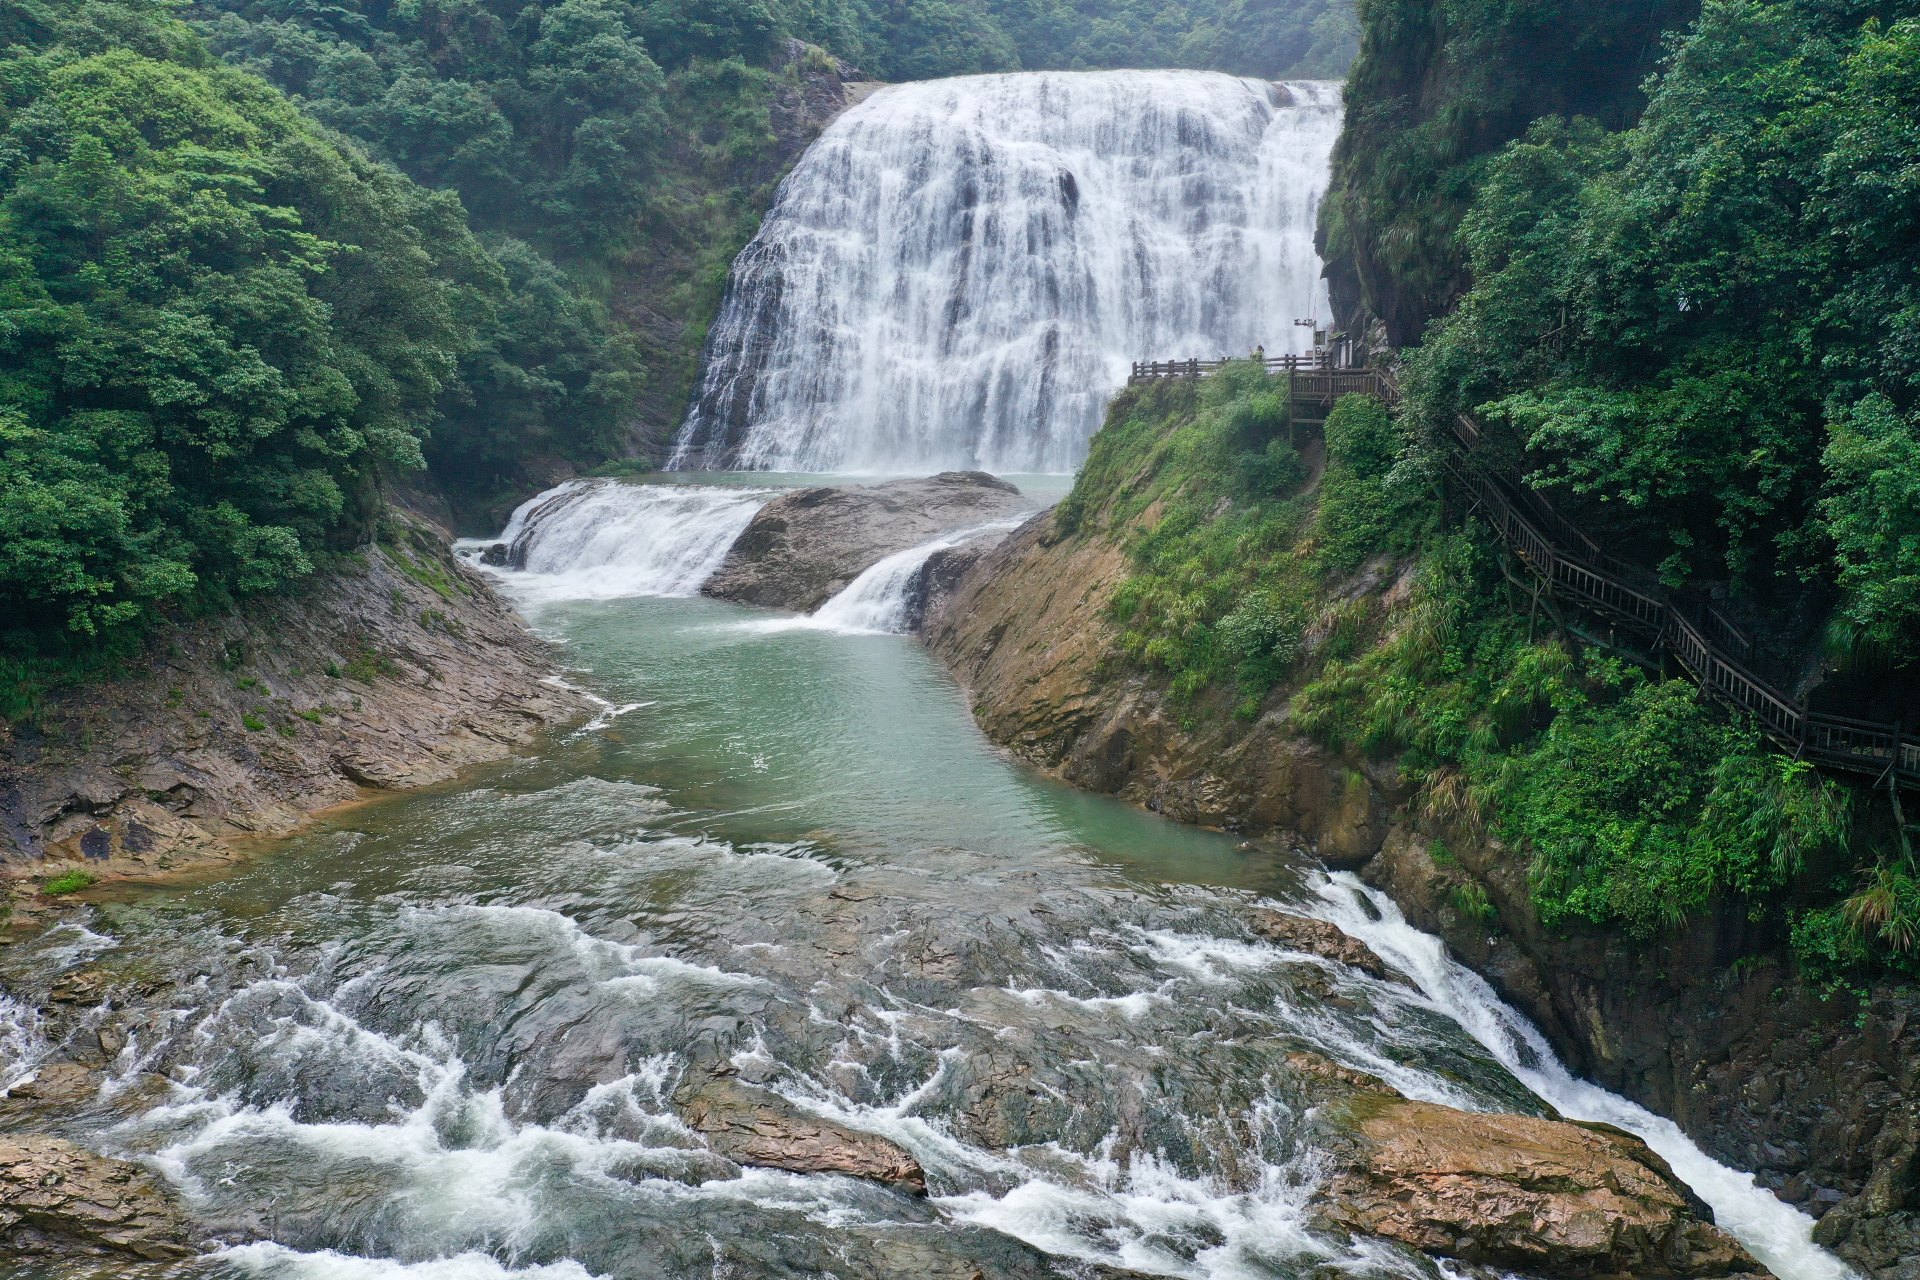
[(959, 273), (441, 1037)]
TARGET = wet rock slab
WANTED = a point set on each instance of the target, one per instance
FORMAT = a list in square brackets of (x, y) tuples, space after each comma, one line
[(756, 1127), (806, 546), (1319, 938), (1530, 1193), (60, 1200)]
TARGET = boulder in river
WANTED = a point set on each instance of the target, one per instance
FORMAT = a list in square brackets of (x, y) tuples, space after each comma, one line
[(61, 1200), (1539, 1195), (756, 1127), (804, 547)]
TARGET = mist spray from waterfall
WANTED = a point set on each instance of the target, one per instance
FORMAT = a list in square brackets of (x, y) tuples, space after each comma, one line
[(959, 273)]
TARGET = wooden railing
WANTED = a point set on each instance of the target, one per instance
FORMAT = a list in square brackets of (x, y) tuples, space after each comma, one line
[(1703, 641), (1573, 566), (1154, 371)]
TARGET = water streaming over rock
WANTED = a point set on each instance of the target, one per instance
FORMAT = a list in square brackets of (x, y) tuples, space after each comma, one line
[(959, 272), (603, 539), (1778, 1235), (880, 601)]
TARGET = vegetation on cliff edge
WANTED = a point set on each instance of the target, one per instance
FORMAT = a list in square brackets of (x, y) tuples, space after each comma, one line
[(1387, 627)]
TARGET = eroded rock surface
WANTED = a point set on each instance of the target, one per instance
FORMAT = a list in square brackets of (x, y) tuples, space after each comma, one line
[(1318, 938), (393, 671), (756, 1127), (1545, 1196), (58, 1199), (806, 546), (1753, 1061)]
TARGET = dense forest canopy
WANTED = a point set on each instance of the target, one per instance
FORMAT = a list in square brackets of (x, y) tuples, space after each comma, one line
[(1668, 254), (1703, 332), (1438, 87)]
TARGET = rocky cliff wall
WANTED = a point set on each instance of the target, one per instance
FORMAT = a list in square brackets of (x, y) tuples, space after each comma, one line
[(395, 669), (1816, 1095)]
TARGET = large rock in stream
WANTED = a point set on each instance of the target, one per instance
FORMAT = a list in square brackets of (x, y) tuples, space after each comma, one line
[(1534, 1194), (754, 1126), (805, 547), (61, 1200)]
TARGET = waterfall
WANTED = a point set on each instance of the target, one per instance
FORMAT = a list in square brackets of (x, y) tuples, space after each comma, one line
[(601, 539), (880, 601), (959, 272)]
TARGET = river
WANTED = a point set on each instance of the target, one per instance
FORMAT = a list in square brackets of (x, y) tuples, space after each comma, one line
[(438, 1038), (449, 1035)]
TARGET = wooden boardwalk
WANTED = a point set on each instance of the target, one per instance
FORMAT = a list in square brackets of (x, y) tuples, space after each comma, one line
[(1636, 608)]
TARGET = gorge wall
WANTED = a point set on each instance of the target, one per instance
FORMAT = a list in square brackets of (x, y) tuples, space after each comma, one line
[(393, 670)]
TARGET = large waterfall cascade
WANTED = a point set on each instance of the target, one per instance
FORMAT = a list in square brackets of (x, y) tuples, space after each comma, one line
[(959, 272)]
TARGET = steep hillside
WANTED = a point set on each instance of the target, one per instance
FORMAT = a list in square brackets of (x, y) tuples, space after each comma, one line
[(392, 669), (1440, 85), (1231, 629)]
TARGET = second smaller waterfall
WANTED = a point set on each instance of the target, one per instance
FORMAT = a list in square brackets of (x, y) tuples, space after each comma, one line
[(602, 539), (881, 600)]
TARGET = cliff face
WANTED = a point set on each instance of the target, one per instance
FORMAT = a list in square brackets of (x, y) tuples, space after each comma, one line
[(393, 671), (1819, 1097), (669, 287), (1027, 631), (1438, 85)]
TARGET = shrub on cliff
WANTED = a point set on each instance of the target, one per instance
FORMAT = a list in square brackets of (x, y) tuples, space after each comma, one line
[(1203, 484), (1700, 332)]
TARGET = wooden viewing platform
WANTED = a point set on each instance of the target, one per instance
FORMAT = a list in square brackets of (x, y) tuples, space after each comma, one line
[(1572, 566)]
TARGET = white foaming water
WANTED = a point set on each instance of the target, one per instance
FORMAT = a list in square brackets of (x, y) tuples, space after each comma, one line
[(277, 1261), (1779, 1235), (959, 272), (22, 1045), (879, 601), (603, 540)]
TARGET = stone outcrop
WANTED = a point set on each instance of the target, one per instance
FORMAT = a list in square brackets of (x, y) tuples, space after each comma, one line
[(1027, 631), (753, 1126), (1813, 1092), (60, 1200), (1318, 938), (1539, 1195), (805, 547), (394, 670), (1532, 1193)]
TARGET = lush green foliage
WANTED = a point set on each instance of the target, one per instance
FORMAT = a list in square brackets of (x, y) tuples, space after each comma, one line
[(220, 326), (68, 882), (1705, 331), (1200, 481), (918, 39), (1438, 86), (1639, 806), (1696, 326)]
